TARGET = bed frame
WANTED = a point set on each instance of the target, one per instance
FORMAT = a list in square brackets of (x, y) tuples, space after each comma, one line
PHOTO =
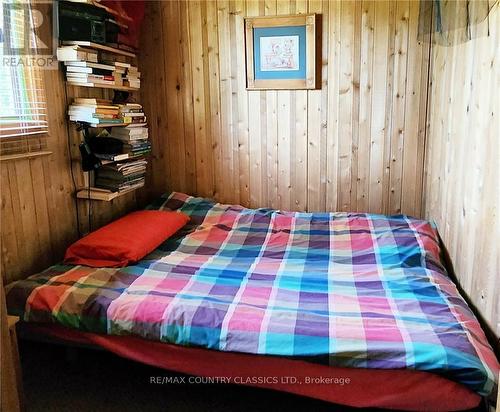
[(398, 389)]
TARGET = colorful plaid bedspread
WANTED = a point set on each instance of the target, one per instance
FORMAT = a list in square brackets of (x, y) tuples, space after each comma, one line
[(343, 289)]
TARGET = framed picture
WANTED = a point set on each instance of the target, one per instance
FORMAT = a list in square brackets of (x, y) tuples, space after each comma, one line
[(281, 52)]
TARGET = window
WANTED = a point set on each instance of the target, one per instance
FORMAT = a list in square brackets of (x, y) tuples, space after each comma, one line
[(23, 108)]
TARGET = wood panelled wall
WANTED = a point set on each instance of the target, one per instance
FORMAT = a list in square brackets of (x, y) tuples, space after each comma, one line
[(462, 192), (38, 208), (357, 144)]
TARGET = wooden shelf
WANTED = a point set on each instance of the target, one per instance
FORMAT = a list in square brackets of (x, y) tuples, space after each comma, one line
[(98, 46), (102, 194), (104, 86), (102, 125)]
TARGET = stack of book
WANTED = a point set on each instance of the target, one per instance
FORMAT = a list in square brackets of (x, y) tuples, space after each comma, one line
[(75, 54), (132, 113), (121, 176), (94, 111), (134, 138), (137, 148), (130, 133), (84, 69), (78, 72), (133, 77), (119, 72)]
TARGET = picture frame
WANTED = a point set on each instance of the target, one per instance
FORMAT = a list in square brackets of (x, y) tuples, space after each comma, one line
[(281, 52)]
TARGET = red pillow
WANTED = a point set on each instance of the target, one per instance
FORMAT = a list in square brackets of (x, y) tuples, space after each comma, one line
[(126, 240)]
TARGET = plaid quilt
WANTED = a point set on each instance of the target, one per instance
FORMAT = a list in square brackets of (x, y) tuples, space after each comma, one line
[(342, 289)]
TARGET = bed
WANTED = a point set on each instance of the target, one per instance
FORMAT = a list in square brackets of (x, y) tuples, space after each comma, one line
[(249, 293)]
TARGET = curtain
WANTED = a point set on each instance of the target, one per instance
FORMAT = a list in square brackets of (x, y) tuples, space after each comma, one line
[(448, 22)]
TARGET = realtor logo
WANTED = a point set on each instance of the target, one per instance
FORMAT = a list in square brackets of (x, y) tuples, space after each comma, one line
[(27, 34)]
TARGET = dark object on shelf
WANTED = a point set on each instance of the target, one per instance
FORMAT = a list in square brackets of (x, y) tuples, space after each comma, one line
[(105, 145), (120, 97), (81, 21), (112, 30), (89, 161)]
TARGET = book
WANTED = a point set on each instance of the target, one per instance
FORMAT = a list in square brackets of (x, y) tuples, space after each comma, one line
[(119, 182), (95, 114), (84, 76), (138, 144), (133, 155), (131, 84), (122, 64), (121, 188), (91, 110), (89, 76), (112, 157), (82, 115), (78, 106), (93, 65), (128, 165), (132, 120), (128, 137), (112, 174), (138, 125), (76, 82), (121, 175), (76, 53), (128, 106), (105, 47), (136, 150), (128, 110), (129, 131), (88, 70), (91, 100), (93, 120), (132, 114), (137, 147)]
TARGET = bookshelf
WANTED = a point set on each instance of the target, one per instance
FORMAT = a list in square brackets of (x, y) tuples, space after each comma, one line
[(102, 194), (97, 46), (105, 125), (105, 86), (85, 186)]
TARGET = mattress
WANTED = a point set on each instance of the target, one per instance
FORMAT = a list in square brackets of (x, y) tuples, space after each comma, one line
[(346, 290)]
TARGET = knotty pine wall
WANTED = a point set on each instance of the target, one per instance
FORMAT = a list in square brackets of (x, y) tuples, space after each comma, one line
[(462, 192), (357, 144), (38, 208), (38, 212)]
